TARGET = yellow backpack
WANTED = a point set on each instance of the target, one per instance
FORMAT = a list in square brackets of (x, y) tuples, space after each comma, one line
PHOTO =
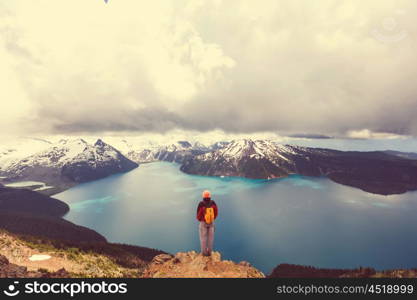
[(209, 215)]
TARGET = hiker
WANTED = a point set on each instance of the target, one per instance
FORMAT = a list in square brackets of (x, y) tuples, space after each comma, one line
[(206, 214)]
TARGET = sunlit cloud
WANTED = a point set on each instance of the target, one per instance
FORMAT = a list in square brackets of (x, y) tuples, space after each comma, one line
[(324, 67)]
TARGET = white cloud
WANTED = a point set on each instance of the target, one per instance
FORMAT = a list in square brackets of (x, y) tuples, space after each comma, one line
[(368, 134), (15, 104), (239, 66)]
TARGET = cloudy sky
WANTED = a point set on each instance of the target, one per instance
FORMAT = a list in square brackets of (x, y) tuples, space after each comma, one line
[(329, 67)]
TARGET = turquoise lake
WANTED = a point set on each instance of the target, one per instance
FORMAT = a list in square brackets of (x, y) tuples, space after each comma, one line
[(297, 220)]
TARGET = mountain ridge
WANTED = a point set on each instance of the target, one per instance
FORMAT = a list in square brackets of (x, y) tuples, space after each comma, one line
[(374, 171), (71, 161)]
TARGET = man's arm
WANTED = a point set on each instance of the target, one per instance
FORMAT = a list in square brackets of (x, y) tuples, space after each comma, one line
[(200, 209), (215, 209)]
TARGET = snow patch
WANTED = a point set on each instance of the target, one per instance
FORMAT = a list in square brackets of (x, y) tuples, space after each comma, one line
[(46, 187), (39, 257), (25, 183)]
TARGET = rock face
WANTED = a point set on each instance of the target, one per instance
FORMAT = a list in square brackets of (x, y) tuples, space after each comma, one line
[(375, 172), (194, 265)]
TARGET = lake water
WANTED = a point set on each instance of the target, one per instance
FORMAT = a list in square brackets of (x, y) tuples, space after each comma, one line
[(298, 220)]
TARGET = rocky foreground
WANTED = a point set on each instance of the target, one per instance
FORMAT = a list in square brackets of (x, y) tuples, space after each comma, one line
[(194, 265), (65, 164), (25, 257), (17, 253)]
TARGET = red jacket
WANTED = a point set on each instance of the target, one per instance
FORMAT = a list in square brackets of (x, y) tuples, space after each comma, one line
[(202, 206)]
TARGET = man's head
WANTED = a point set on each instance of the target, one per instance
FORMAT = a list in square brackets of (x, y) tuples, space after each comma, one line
[(206, 194)]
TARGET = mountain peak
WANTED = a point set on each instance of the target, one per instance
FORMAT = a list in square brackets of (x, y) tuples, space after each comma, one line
[(185, 144), (100, 143), (194, 265), (72, 141), (247, 147)]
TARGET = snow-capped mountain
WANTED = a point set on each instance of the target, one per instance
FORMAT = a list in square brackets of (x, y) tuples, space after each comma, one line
[(68, 162), (97, 161), (219, 145), (245, 158), (61, 162), (375, 172), (175, 152), (18, 148), (180, 151), (144, 149)]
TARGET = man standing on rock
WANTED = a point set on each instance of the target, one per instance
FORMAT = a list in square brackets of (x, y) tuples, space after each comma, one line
[(206, 214)]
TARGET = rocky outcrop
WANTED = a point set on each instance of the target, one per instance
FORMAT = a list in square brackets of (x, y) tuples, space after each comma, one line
[(195, 265)]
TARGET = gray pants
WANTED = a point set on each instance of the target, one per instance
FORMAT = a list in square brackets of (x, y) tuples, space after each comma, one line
[(206, 237)]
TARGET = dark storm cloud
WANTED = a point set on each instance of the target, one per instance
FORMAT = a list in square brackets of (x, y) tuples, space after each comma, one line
[(145, 120)]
